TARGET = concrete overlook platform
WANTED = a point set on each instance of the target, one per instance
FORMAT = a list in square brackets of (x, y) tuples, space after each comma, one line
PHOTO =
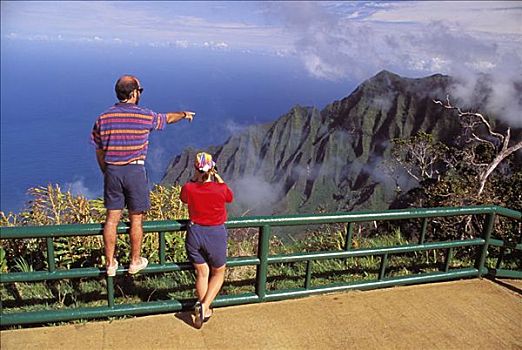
[(465, 314)]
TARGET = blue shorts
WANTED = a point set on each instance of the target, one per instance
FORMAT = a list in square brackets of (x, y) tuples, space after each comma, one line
[(126, 185), (207, 244)]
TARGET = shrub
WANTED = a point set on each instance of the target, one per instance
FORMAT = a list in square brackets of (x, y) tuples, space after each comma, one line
[(50, 205)]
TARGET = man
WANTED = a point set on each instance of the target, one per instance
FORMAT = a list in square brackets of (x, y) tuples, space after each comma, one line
[(121, 137)]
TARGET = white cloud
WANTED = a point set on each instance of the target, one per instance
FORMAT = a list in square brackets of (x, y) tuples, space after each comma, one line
[(78, 187), (234, 128), (181, 43), (221, 45), (505, 99), (216, 45), (334, 46), (146, 23), (500, 17), (453, 38)]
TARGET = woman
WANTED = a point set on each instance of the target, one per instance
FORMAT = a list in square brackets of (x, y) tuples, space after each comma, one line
[(206, 244)]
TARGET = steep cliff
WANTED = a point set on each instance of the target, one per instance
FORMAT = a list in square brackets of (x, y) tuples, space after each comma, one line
[(309, 160)]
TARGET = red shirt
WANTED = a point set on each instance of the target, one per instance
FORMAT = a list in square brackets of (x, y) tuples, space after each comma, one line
[(206, 202)]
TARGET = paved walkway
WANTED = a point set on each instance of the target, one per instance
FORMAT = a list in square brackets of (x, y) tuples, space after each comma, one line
[(467, 314)]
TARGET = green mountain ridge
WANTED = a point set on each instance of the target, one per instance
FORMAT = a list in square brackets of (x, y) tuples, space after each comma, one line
[(310, 160)]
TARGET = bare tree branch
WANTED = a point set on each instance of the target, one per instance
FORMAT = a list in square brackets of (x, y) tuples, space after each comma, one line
[(498, 159), (502, 152), (484, 121)]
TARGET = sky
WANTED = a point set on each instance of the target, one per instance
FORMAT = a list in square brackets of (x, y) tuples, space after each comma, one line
[(333, 40), (419, 35), (342, 42)]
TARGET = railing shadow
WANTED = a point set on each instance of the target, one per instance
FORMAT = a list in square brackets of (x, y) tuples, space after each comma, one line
[(506, 285)]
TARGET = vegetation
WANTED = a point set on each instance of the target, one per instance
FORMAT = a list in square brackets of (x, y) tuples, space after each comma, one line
[(52, 206), (478, 167), (243, 242)]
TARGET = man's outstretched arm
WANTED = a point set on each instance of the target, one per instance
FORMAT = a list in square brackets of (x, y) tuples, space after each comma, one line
[(174, 117)]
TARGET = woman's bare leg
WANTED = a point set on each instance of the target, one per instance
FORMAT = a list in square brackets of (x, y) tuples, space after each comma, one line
[(217, 277), (202, 280)]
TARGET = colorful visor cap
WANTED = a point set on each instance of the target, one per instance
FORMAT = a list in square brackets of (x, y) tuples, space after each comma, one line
[(204, 162)]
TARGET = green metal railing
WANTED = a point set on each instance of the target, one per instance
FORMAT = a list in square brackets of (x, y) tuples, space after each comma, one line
[(264, 259)]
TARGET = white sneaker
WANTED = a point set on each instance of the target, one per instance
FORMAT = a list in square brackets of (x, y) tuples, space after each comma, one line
[(111, 270), (133, 269)]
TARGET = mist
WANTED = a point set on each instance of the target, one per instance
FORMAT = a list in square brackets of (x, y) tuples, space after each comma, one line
[(254, 195)]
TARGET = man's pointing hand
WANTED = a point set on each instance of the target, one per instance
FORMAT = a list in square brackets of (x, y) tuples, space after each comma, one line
[(189, 115)]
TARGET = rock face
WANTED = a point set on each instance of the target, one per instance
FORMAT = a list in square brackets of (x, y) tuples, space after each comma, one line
[(310, 160)]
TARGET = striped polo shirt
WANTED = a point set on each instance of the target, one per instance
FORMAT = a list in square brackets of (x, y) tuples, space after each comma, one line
[(122, 131)]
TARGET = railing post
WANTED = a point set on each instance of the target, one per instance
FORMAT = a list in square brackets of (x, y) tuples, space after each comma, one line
[(349, 236), (500, 258), (308, 277), (50, 254), (384, 265), (262, 254), (110, 291), (486, 234), (447, 262), (162, 247), (423, 230)]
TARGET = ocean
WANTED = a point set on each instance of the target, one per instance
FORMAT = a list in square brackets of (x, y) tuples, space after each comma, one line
[(51, 93)]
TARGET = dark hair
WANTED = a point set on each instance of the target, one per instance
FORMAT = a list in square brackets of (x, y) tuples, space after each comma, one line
[(124, 86), (205, 176)]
